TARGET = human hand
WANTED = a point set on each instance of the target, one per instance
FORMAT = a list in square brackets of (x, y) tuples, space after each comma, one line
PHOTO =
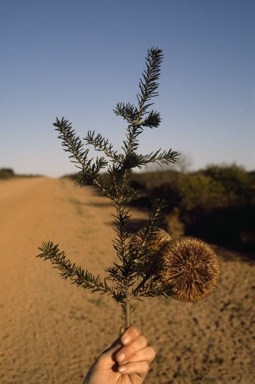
[(127, 361)]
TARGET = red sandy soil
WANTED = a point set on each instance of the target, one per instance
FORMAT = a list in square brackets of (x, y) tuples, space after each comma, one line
[(51, 331)]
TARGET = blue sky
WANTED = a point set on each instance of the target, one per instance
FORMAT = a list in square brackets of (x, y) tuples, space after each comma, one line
[(79, 58)]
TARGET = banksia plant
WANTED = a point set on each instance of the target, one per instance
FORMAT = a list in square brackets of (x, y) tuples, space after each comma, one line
[(143, 259), (157, 240), (191, 269)]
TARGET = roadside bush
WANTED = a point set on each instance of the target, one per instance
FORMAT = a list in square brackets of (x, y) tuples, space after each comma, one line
[(235, 183), (216, 204), (6, 173)]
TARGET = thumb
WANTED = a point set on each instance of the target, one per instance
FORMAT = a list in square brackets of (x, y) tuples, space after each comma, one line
[(111, 352)]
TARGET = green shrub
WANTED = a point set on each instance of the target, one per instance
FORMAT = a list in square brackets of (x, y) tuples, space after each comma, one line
[(6, 173), (216, 204), (234, 180)]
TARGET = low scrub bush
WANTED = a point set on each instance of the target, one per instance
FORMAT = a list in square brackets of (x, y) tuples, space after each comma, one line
[(6, 173), (216, 204)]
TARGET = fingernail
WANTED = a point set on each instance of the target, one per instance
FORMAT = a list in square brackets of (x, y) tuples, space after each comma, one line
[(122, 368), (121, 357), (126, 340)]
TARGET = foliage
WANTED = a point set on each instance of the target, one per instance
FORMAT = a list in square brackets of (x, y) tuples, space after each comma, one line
[(6, 173), (128, 279), (234, 181), (216, 203)]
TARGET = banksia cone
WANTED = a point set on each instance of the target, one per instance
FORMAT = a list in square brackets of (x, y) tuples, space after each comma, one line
[(157, 240), (191, 269)]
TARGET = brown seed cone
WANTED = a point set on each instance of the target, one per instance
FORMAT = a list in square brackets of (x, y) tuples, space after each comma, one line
[(158, 240), (191, 268)]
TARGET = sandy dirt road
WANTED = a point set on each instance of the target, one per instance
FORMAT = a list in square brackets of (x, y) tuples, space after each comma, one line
[(47, 323), (51, 331)]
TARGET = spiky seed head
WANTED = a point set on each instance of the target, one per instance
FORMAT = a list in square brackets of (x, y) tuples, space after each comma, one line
[(191, 268), (157, 240)]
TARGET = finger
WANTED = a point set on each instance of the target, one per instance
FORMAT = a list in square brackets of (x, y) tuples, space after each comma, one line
[(139, 367), (130, 334), (125, 353), (127, 337), (146, 354)]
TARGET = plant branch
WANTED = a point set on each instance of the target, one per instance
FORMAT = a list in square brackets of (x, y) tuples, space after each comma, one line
[(68, 270), (134, 274)]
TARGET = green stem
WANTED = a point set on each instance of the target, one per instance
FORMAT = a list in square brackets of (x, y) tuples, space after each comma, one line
[(127, 314)]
